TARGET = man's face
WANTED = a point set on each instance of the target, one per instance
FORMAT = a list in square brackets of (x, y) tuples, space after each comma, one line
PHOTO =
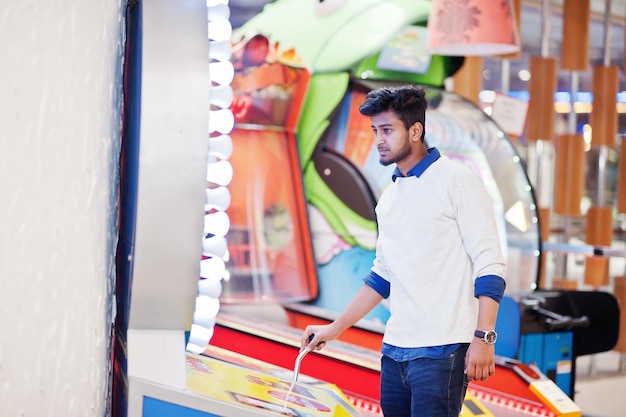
[(392, 138)]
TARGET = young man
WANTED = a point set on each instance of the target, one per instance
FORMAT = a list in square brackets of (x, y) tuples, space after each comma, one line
[(438, 260)]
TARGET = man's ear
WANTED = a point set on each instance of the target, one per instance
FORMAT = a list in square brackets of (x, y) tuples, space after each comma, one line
[(416, 131)]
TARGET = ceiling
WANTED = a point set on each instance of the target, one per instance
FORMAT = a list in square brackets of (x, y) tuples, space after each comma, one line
[(531, 35)]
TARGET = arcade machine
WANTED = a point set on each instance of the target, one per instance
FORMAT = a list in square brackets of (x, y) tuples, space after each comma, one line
[(515, 389), (551, 329), (341, 177), (316, 84), (290, 88), (274, 246)]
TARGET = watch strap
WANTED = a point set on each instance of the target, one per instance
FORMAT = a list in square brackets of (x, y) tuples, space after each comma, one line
[(483, 335)]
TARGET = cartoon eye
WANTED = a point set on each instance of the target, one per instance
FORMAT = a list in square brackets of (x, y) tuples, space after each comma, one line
[(255, 51), (327, 7)]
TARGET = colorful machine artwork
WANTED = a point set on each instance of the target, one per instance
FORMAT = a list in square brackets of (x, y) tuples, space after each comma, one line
[(278, 192), (306, 175), (257, 389)]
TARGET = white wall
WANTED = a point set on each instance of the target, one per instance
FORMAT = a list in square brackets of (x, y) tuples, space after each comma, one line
[(60, 99)]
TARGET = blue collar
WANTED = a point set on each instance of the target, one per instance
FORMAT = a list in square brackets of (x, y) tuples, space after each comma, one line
[(418, 170)]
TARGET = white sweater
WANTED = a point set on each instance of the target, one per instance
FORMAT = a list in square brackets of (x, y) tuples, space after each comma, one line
[(437, 234)]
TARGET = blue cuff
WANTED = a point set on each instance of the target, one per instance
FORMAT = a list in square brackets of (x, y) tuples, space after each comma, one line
[(378, 283), (491, 286)]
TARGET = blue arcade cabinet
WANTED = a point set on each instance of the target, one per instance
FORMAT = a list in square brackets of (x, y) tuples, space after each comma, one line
[(550, 329)]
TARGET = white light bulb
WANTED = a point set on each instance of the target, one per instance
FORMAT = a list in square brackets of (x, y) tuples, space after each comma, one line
[(210, 287), (221, 96), (200, 335), (217, 198), (221, 121), (218, 12), (206, 311), (212, 268), (220, 50), (212, 3), (220, 30), (220, 172), (221, 72), (221, 146), (214, 246), (216, 223), (209, 306), (203, 320), (198, 350)]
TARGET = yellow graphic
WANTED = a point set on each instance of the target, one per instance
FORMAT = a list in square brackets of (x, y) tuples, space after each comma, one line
[(235, 384)]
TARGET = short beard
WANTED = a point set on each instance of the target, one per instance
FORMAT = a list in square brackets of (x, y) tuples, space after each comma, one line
[(400, 155)]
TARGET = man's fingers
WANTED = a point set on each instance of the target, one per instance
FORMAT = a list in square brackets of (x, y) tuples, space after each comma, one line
[(479, 374)]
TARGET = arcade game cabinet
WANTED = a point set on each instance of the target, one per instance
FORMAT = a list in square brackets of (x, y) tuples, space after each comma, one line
[(341, 176), (550, 329)]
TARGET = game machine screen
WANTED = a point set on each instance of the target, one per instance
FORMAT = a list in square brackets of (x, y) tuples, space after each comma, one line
[(270, 255)]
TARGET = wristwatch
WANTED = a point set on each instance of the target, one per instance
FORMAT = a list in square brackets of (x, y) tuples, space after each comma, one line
[(489, 337)]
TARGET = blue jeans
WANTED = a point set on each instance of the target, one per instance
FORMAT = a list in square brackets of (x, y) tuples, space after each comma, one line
[(423, 387)]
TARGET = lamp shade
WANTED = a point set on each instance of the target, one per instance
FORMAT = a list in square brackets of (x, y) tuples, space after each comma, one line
[(575, 44), (517, 8), (541, 88), (472, 28), (569, 176), (603, 117)]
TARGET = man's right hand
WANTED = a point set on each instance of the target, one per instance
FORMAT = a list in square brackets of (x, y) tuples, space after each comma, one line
[(315, 337)]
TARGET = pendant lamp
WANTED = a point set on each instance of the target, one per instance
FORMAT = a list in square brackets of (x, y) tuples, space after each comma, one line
[(603, 118), (569, 174), (575, 44), (599, 231), (541, 88), (472, 28)]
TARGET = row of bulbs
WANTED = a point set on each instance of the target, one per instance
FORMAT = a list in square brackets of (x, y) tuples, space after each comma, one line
[(219, 176)]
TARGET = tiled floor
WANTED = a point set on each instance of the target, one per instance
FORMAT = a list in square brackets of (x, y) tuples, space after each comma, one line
[(600, 387)]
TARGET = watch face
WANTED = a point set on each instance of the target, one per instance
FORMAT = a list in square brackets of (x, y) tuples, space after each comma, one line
[(490, 337)]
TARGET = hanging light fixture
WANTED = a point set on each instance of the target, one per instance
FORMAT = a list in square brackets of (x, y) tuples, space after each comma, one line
[(472, 28)]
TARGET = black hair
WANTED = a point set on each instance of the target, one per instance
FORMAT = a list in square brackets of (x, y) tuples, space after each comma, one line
[(408, 102)]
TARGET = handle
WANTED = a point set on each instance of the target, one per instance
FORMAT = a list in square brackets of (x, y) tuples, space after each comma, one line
[(556, 321)]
